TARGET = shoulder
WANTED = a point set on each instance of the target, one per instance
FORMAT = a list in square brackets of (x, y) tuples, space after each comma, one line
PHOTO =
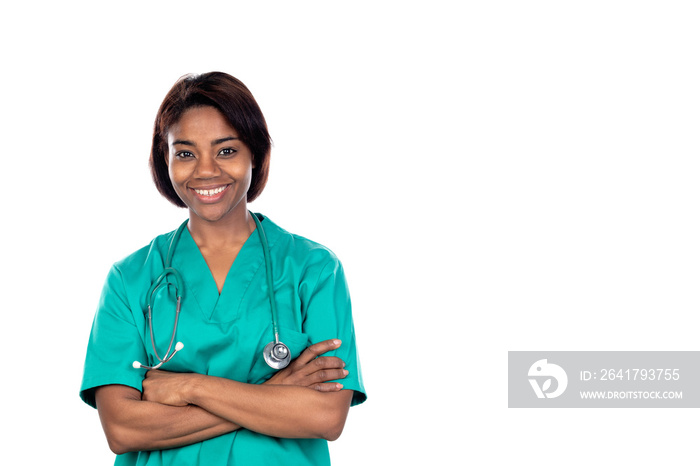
[(153, 252), (298, 248), (310, 262), (316, 270)]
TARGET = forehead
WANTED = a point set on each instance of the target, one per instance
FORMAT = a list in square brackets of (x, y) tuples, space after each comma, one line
[(204, 122)]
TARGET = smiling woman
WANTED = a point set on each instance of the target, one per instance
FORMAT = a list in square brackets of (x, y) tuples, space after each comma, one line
[(235, 104), (223, 399)]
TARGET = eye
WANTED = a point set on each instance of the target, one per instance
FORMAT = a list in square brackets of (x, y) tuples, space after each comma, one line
[(183, 154), (228, 152)]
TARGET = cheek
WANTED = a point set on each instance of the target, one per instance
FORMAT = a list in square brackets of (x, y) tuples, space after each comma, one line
[(242, 171), (177, 177)]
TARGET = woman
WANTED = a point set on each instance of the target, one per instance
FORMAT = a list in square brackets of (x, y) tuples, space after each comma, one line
[(217, 401)]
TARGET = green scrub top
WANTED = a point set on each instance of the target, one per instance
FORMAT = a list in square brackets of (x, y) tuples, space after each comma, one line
[(223, 334)]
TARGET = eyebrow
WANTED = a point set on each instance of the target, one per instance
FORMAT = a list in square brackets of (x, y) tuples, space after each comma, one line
[(215, 142)]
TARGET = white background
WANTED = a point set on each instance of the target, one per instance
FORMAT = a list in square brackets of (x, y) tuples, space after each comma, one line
[(504, 175)]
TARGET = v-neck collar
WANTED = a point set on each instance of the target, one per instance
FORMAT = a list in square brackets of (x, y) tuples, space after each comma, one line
[(199, 285)]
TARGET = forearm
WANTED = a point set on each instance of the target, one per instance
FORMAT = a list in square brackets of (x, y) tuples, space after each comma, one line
[(132, 424), (277, 410)]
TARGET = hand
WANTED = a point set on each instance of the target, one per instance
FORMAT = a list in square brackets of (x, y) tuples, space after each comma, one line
[(310, 370), (168, 388)]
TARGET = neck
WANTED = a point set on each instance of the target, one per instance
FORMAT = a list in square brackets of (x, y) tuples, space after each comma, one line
[(226, 232)]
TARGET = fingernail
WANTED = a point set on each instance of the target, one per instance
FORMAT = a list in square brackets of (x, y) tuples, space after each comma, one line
[(345, 372), (337, 342), (339, 385)]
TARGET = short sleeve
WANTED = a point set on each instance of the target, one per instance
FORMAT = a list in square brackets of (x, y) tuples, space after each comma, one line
[(328, 315), (115, 342)]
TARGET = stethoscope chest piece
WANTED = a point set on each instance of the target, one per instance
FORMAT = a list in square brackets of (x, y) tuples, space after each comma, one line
[(277, 355)]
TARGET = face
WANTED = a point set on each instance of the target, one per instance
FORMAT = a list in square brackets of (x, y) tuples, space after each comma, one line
[(209, 167)]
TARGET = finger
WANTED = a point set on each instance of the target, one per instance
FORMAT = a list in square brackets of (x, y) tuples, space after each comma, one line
[(316, 350), (318, 364), (327, 387), (327, 362), (326, 376)]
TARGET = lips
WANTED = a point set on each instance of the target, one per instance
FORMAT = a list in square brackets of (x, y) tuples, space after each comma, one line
[(210, 194)]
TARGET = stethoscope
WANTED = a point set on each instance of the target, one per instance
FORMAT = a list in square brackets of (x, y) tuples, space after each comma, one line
[(276, 353)]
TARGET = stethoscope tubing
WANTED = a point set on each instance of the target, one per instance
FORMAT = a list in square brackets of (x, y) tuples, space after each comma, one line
[(268, 273), (276, 353)]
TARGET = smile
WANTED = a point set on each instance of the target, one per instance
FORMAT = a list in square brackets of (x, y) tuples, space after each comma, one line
[(210, 192)]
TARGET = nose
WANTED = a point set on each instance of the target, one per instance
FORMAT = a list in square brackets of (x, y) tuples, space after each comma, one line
[(207, 167)]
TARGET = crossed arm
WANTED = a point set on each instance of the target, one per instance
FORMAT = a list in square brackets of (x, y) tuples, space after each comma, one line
[(180, 409)]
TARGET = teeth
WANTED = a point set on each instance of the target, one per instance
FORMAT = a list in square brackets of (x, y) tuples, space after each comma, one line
[(209, 192)]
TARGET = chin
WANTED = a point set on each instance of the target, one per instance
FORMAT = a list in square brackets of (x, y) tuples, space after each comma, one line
[(215, 215)]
